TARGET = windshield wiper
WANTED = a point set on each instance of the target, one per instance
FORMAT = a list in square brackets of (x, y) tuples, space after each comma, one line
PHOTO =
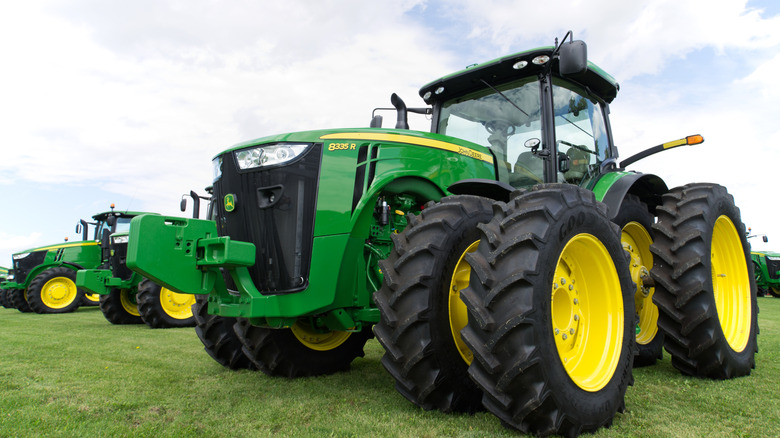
[(504, 96)]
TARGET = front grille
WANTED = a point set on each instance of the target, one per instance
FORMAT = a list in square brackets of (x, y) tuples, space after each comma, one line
[(118, 261), (22, 267), (274, 209), (773, 266)]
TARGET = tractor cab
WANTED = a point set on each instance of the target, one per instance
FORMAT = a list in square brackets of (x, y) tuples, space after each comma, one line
[(107, 222), (542, 113)]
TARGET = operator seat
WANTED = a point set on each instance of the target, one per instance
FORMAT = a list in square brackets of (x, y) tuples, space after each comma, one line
[(527, 161), (578, 165)]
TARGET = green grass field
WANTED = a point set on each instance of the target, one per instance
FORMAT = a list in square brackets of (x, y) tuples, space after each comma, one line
[(77, 375)]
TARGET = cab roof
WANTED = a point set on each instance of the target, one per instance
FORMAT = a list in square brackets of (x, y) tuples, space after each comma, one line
[(129, 214), (506, 69)]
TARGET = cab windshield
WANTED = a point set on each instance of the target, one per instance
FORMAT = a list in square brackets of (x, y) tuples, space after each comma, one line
[(504, 120), (507, 120), (122, 224)]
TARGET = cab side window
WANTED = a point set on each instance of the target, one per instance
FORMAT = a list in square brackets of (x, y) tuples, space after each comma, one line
[(580, 132)]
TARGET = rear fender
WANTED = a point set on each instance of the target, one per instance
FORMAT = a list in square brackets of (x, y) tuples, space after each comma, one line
[(613, 188)]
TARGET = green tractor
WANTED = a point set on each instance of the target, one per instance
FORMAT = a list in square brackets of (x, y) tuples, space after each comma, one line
[(127, 297), (43, 280), (766, 265), (3, 278), (504, 260)]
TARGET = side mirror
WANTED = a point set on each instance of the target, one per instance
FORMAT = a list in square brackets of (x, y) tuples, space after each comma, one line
[(111, 221), (183, 204), (573, 58), (765, 239), (78, 228)]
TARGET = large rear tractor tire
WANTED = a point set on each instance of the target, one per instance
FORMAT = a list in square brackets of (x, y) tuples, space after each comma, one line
[(120, 307), (635, 222), (300, 351), (704, 289), (551, 318), (54, 291), (3, 300), (218, 337), (17, 300), (162, 308), (421, 310)]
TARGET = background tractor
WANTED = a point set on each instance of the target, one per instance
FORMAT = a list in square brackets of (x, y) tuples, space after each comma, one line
[(43, 279), (766, 265), (3, 278), (504, 260), (127, 297)]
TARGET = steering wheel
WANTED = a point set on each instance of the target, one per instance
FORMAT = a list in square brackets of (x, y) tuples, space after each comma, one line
[(499, 126)]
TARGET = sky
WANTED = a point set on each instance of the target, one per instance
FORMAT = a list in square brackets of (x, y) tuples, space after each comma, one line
[(127, 102)]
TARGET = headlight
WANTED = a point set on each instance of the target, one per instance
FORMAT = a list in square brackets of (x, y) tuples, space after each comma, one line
[(270, 155), (217, 164), (774, 259), (20, 256), (121, 239)]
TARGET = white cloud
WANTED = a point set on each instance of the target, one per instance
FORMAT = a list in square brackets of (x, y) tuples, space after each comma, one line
[(137, 97), (11, 242)]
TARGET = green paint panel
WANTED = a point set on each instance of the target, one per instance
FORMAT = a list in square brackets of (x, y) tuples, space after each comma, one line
[(163, 249)]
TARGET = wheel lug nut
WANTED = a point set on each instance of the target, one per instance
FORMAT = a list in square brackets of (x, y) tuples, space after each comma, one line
[(571, 331), (564, 336), (576, 301), (563, 280), (557, 331), (576, 317)]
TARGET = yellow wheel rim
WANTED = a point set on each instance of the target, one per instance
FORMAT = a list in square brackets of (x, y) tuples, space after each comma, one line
[(730, 284), (316, 340), (457, 310), (176, 305), (587, 312), (636, 241), (94, 298), (128, 302), (59, 292)]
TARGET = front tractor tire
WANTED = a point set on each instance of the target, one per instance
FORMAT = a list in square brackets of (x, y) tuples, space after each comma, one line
[(421, 310), (704, 289), (218, 337), (17, 300), (300, 351), (551, 317), (636, 222), (162, 308), (119, 306), (54, 291), (90, 300)]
